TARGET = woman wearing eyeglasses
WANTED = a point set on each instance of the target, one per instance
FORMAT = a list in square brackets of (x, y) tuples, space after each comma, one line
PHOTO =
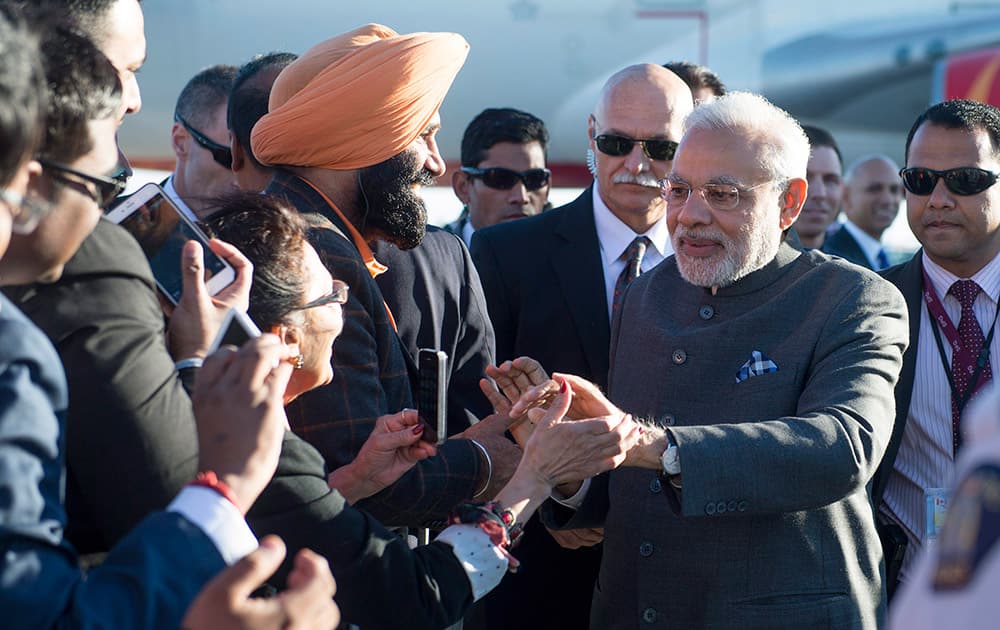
[(382, 583)]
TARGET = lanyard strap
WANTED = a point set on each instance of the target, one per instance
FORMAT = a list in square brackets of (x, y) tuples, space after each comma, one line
[(940, 319)]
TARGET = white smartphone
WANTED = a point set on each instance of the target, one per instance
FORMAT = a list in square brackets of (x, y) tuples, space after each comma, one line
[(162, 229), (237, 328)]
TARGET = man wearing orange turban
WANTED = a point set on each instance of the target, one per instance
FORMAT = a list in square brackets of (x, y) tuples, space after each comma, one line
[(350, 130)]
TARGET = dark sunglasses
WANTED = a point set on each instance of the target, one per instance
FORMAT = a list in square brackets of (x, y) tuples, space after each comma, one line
[(618, 146), (220, 153), (505, 178), (107, 188), (964, 180), (337, 296)]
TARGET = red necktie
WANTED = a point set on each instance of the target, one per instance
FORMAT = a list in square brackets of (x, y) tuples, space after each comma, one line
[(633, 258), (966, 353)]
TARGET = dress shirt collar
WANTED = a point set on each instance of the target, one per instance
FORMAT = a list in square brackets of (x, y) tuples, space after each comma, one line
[(870, 246), (988, 278), (467, 231), (615, 236), (168, 187)]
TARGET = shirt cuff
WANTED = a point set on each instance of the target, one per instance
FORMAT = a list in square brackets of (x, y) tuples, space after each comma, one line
[(482, 560), (218, 518), (574, 502)]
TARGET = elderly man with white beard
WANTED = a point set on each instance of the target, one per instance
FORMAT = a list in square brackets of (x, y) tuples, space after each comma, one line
[(764, 376)]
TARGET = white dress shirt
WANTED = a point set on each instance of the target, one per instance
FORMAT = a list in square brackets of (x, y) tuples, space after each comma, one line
[(615, 237), (925, 458), (870, 246), (168, 187)]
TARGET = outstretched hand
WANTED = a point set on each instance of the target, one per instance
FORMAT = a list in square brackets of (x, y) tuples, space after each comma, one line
[(391, 449)]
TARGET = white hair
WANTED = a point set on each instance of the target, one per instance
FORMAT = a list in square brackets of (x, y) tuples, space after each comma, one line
[(786, 147)]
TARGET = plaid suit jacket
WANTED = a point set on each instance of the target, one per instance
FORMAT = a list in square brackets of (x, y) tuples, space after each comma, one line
[(372, 376)]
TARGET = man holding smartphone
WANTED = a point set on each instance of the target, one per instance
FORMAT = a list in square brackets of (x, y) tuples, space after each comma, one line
[(361, 187)]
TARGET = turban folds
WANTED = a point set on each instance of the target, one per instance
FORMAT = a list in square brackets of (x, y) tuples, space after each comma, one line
[(357, 99)]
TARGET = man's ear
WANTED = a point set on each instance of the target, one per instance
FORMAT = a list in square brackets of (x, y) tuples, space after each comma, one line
[(239, 157), (591, 132), (460, 183), (178, 140), (791, 201)]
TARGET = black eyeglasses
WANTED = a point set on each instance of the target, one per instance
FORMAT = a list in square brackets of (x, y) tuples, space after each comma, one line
[(617, 146), (337, 296), (107, 188), (964, 180), (505, 178), (222, 155)]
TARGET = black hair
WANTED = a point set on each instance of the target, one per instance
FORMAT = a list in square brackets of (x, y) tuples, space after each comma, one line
[(819, 137), (273, 236), (248, 100), (22, 92), (496, 125), (697, 76), (960, 114), (203, 94)]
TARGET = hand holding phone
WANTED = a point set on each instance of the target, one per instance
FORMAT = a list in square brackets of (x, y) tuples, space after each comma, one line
[(432, 395), (237, 328)]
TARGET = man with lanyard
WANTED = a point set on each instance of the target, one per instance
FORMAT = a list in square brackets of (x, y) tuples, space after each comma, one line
[(951, 288)]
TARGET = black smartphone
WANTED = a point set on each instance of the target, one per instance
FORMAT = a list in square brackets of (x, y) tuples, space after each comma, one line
[(237, 328), (431, 394)]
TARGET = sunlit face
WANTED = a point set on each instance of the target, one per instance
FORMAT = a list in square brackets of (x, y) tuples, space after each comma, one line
[(123, 41), (960, 233), (199, 177), (629, 184), (74, 212), (489, 206), (823, 201), (718, 247), (318, 329), (872, 196)]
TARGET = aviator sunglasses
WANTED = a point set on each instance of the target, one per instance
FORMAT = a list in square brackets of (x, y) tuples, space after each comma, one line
[(220, 153), (505, 178), (617, 146), (964, 180)]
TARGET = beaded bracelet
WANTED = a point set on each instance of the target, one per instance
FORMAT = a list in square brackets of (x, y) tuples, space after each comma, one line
[(496, 522)]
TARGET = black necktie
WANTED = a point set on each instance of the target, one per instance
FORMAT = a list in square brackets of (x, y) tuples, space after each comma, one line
[(633, 258)]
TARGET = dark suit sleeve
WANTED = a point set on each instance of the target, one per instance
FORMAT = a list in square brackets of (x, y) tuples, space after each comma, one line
[(495, 290), (370, 379), (381, 582), (132, 427)]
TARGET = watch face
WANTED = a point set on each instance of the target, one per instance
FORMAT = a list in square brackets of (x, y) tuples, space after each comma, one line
[(671, 461)]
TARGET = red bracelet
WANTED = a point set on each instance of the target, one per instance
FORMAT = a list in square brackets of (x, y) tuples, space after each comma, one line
[(208, 479)]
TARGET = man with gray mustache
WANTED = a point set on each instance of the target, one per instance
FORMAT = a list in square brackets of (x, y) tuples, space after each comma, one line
[(551, 282)]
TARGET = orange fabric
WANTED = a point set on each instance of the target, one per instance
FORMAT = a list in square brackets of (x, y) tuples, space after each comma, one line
[(357, 99)]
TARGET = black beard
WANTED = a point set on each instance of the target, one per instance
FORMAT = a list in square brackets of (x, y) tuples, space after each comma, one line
[(394, 207)]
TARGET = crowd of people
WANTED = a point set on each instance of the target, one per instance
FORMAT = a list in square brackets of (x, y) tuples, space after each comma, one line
[(693, 397)]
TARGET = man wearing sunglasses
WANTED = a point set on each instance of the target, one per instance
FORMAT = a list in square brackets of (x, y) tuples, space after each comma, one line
[(871, 198), (503, 175), (550, 284), (951, 287), (200, 140)]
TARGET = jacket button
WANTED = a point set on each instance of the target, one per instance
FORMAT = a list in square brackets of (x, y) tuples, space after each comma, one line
[(710, 509), (649, 615), (679, 357), (720, 508), (646, 549), (706, 312), (668, 419), (655, 486), (731, 506), (742, 507)]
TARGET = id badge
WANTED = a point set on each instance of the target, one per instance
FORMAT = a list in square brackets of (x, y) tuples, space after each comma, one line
[(936, 500)]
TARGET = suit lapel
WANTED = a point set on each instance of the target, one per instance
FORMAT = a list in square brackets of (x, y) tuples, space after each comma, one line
[(580, 273)]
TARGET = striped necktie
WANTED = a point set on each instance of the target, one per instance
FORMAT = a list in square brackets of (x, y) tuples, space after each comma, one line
[(633, 259)]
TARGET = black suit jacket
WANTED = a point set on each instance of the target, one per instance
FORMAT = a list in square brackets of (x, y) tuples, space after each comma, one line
[(131, 438), (908, 278), (437, 299), (842, 244), (544, 284), (372, 376)]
